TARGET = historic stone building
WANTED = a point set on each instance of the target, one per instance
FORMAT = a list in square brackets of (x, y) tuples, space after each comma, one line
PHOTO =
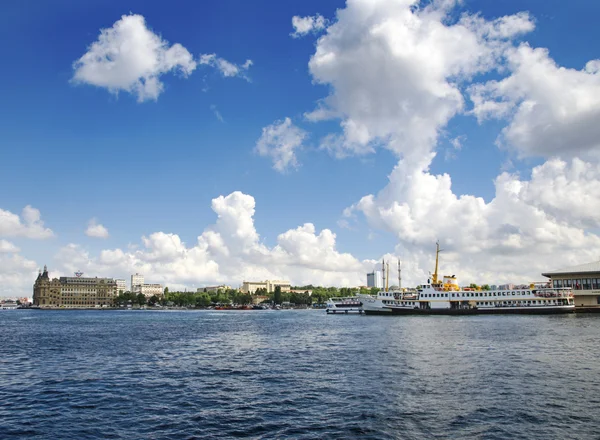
[(73, 292)]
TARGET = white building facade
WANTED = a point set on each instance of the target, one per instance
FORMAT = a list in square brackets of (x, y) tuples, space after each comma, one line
[(253, 286), (149, 290), (136, 280), (121, 286), (222, 287)]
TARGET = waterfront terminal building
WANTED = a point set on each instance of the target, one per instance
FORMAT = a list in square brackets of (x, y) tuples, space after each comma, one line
[(583, 279), (73, 292)]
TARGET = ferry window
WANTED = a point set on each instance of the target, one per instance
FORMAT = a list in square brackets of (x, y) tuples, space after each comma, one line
[(452, 295), (446, 295)]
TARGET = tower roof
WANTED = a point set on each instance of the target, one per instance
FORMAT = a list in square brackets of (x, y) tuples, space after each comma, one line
[(593, 267)]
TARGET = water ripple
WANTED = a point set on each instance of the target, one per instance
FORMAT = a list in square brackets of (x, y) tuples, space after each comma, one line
[(296, 374)]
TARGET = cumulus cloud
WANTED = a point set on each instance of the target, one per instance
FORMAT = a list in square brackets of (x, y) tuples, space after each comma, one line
[(227, 68), (528, 227), (7, 247), (552, 109), (228, 251), (130, 57), (309, 24), (17, 274), (96, 230), (395, 72), (279, 141), (29, 225)]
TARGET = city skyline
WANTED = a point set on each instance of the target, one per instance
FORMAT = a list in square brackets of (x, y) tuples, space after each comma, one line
[(307, 141)]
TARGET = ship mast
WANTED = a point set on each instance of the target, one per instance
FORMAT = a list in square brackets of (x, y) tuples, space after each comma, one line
[(437, 254)]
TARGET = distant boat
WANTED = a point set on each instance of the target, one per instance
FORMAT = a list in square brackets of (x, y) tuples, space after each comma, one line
[(345, 305), (9, 306)]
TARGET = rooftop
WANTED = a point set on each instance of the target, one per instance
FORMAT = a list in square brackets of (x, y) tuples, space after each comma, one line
[(582, 268)]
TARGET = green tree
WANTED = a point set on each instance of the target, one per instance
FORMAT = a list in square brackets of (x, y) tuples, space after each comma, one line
[(141, 299), (203, 299), (277, 297), (166, 291), (153, 300)]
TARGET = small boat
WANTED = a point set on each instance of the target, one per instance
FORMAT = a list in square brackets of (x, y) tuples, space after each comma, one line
[(345, 305)]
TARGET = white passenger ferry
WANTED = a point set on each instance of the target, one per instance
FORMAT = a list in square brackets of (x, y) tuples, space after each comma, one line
[(447, 298), (349, 304)]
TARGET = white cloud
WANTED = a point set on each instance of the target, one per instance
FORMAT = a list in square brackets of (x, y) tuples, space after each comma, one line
[(530, 226), (504, 27), (305, 25), (395, 72), (279, 141), (228, 251), (30, 226), (227, 68), (96, 230), (553, 110), (217, 113), (7, 247), (130, 57), (17, 274)]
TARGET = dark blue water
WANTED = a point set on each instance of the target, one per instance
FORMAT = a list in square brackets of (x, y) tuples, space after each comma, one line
[(296, 374)]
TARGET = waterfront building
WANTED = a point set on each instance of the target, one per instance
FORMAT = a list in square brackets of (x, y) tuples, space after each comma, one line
[(301, 291), (149, 290), (73, 292), (121, 286), (375, 279), (253, 286), (210, 289), (584, 279), (136, 280)]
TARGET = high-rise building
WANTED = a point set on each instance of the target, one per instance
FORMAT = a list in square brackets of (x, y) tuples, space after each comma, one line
[(375, 279), (73, 292), (136, 281)]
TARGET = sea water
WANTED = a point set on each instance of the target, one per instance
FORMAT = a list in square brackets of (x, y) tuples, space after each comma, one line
[(296, 374)]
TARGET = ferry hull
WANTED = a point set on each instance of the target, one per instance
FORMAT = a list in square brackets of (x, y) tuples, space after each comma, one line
[(393, 311), (527, 311)]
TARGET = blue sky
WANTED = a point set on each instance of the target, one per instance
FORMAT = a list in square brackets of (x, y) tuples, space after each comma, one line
[(76, 151)]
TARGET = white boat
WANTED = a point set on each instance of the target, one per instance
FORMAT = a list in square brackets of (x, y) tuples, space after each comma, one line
[(447, 298), (348, 304), (8, 305)]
